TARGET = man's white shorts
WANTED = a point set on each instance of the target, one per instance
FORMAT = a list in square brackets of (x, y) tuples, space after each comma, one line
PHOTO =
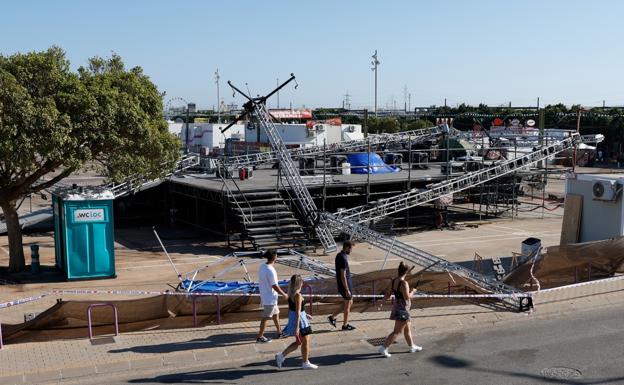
[(269, 311)]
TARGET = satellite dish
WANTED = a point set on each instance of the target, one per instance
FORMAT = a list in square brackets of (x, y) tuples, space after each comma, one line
[(530, 122), (598, 189)]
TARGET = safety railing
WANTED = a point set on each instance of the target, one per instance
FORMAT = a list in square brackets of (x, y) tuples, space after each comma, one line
[(103, 304), (310, 296), (218, 311), (135, 182)]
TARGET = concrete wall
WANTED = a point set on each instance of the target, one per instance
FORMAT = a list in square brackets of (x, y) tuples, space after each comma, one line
[(600, 219)]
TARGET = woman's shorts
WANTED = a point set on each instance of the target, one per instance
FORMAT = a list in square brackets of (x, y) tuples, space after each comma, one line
[(400, 315)]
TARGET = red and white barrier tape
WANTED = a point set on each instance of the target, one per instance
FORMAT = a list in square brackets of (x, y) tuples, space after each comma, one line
[(22, 301), (316, 295)]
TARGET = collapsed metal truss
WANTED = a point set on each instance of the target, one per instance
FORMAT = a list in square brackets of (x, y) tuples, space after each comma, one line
[(414, 136), (397, 203), (420, 257), (352, 221)]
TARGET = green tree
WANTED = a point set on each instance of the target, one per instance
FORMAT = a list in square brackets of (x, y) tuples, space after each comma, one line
[(54, 120), (383, 125), (418, 124)]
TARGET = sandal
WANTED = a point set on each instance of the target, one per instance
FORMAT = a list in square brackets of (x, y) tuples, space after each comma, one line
[(332, 321)]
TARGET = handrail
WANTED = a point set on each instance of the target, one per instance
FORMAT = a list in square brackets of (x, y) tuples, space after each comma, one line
[(244, 197), (90, 307), (245, 220), (1, 344)]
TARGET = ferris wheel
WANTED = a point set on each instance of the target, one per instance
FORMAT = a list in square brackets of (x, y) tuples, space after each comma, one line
[(172, 106)]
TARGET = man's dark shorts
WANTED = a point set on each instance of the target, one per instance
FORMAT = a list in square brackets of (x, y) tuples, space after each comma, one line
[(343, 293)]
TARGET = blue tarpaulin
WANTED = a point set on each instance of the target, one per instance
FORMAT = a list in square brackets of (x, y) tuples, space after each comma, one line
[(360, 162), (223, 287)]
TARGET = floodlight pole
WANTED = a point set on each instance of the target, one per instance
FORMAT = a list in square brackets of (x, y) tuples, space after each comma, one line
[(217, 77), (375, 63)]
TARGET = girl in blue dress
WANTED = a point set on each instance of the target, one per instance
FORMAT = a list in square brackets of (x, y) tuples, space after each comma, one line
[(298, 325)]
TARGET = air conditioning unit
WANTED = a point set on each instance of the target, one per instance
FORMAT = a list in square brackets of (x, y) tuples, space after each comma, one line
[(350, 128), (604, 190)]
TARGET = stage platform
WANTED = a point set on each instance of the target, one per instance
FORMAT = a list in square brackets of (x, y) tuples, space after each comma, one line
[(267, 179)]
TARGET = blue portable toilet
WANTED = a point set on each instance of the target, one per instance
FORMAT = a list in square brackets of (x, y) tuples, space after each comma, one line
[(83, 232)]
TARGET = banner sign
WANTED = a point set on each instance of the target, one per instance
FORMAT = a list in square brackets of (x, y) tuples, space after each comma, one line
[(89, 215), (304, 113), (331, 122)]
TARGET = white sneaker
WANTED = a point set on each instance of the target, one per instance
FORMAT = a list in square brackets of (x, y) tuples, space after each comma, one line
[(309, 365), (415, 348), (279, 360), (384, 352)]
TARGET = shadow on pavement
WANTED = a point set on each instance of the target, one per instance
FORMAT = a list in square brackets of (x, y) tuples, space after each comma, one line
[(451, 362), (217, 376), (215, 341)]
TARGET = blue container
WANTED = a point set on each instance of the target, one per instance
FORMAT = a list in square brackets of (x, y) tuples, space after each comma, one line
[(83, 233)]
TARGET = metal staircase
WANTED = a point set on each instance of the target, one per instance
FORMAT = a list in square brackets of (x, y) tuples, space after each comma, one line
[(136, 183), (415, 136), (397, 203), (265, 219), (289, 169)]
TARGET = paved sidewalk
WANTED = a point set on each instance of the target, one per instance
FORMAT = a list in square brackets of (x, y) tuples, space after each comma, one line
[(33, 363)]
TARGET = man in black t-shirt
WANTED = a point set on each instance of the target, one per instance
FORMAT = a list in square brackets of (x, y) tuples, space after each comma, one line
[(345, 285)]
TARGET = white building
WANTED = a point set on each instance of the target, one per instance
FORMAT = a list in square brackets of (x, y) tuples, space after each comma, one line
[(206, 137), (307, 135), (601, 211)]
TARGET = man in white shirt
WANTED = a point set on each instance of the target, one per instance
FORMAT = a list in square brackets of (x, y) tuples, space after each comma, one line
[(269, 289)]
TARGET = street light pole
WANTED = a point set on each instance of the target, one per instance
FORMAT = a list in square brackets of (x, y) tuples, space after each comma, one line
[(217, 77), (375, 63)]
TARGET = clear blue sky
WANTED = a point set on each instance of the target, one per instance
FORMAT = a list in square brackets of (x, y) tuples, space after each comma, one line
[(466, 51)]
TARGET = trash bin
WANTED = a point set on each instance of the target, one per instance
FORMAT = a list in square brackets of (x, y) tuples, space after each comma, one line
[(34, 259), (248, 172), (242, 173), (529, 247), (84, 232)]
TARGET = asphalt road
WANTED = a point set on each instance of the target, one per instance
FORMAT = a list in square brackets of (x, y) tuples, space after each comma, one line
[(583, 348)]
